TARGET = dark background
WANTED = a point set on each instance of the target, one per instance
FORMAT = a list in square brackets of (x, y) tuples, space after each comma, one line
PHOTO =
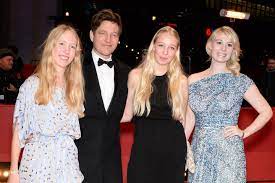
[(26, 24), (192, 19)]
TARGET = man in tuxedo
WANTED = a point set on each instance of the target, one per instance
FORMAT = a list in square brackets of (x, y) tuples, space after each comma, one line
[(106, 93)]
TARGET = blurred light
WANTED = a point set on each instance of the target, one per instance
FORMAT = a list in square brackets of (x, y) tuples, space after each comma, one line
[(208, 31), (154, 18), (6, 173), (126, 46), (132, 49), (67, 14), (234, 14), (138, 52), (118, 42), (136, 58)]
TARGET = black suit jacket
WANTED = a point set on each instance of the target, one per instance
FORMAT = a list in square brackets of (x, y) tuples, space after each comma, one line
[(99, 145)]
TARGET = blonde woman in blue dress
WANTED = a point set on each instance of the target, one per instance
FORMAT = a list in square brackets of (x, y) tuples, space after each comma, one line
[(215, 99), (46, 114)]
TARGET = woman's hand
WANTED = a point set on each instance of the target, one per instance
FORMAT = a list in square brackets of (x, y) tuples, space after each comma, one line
[(13, 178), (12, 88), (231, 131)]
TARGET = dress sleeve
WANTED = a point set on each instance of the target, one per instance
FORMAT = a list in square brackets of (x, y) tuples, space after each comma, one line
[(21, 117), (245, 83)]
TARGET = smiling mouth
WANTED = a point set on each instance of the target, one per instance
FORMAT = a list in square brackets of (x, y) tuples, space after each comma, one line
[(221, 55), (107, 46), (64, 57)]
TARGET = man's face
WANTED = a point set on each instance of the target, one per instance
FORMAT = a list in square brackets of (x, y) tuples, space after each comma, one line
[(6, 63), (105, 38), (271, 64)]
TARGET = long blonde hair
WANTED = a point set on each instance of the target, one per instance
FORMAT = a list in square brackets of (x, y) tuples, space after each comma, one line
[(174, 72), (46, 72), (233, 63)]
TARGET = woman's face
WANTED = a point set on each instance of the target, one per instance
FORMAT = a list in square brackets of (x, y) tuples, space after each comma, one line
[(165, 48), (221, 48), (64, 51)]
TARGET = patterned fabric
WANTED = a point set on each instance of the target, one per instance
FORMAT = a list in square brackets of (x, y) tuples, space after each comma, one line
[(216, 103), (190, 164), (47, 133)]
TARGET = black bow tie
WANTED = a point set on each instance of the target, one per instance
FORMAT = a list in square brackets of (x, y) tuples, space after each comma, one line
[(109, 63)]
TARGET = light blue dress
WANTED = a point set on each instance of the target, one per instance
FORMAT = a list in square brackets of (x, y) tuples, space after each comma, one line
[(216, 103), (47, 133)]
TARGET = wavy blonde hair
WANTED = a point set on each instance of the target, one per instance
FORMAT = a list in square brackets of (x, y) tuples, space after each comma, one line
[(233, 63), (46, 72), (174, 72)]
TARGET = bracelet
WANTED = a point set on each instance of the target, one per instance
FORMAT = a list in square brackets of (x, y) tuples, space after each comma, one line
[(243, 134), (13, 172)]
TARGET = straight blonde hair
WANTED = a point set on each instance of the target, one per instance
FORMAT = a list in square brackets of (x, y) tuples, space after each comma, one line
[(175, 71), (74, 81), (233, 63)]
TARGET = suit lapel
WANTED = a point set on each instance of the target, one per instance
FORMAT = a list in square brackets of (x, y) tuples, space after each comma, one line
[(115, 94), (92, 82)]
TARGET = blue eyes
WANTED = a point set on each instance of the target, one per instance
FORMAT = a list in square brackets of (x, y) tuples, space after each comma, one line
[(63, 44), (105, 33), (169, 47), (221, 42)]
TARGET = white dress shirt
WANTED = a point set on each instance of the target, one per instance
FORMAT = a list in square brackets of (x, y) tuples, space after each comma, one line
[(105, 76)]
